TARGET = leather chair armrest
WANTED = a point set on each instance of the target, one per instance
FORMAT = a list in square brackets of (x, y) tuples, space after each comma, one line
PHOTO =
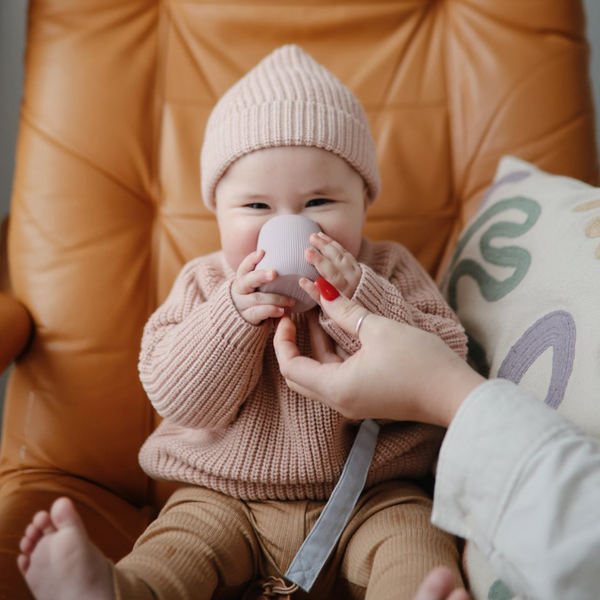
[(15, 329)]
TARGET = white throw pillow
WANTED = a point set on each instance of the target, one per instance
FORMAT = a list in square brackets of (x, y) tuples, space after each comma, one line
[(525, 282)]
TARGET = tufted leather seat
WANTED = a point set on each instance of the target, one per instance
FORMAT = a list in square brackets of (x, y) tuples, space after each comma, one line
[(106, 205)]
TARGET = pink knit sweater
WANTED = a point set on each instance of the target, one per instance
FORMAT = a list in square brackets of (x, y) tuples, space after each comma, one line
[(230, 421)]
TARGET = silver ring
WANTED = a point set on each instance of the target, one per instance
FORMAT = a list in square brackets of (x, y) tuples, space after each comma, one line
[(360, 322)]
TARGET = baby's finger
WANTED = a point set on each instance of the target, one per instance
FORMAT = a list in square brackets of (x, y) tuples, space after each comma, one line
[(327, 246), (250, 262), (316, 258), (247, 284), (325, 267), (255, 315), (334, 251), (259, 298), (309, 287)]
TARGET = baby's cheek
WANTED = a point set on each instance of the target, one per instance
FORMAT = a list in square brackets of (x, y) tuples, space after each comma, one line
[(351, 242), (237, 246), (354, 246), (234, 254)]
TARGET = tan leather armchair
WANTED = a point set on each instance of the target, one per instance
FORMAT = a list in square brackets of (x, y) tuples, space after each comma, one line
[(106, 205)]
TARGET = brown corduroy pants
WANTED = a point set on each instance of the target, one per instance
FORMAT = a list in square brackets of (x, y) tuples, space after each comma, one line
[(207, 545)]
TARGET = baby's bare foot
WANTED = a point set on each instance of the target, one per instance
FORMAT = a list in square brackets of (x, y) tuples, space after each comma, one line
[(58, 560)]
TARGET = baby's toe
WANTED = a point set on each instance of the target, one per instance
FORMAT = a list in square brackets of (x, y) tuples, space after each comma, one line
[(26, 545), (43, 522), (33, 533), (23, 563)]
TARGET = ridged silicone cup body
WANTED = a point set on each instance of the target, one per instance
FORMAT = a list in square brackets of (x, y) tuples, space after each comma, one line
[(284, 240)]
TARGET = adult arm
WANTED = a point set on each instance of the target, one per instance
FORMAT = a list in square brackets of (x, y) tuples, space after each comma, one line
[(513, 475), (524, 484)]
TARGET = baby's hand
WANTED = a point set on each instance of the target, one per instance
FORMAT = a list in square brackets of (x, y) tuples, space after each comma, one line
[(253, 306), (334, 263)]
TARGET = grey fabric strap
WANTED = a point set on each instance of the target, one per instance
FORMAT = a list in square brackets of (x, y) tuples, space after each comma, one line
[(324, 536)]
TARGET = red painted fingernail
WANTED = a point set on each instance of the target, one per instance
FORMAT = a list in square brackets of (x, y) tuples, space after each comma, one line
[(326, 289)]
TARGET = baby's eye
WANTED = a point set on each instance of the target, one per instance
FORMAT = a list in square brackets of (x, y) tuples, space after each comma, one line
[(257, 205), (318, 202)]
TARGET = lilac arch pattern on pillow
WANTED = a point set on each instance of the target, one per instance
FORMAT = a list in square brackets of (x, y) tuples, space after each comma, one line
[(557, 330), (512, 177)]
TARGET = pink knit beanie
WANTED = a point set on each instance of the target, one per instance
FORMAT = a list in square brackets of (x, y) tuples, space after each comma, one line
[(288, 99)]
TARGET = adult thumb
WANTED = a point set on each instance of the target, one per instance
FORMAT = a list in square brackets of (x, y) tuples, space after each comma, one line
[(341, 310)]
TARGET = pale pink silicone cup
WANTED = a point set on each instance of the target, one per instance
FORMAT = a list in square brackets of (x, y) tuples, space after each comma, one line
[(284, 240)]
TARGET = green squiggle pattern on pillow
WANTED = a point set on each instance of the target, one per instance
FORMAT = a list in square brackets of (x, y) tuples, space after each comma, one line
[(499, 591), (510, 256)]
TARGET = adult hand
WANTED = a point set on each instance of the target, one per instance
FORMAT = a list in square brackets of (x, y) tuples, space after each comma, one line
[(439, 585), (400, 373)]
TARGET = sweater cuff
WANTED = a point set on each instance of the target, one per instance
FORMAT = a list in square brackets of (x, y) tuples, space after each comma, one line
[(369, 292), (232, 327), (380, 297), (347, 341)]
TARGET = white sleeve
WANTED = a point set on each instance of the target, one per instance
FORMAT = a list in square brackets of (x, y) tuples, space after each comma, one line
[(523, 484)]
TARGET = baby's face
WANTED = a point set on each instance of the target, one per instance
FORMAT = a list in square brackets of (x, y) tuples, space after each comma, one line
[(294, 180)]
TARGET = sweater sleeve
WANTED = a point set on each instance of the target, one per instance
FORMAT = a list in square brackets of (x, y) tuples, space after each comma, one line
[(523, 484), (199, 358), (395, 285)]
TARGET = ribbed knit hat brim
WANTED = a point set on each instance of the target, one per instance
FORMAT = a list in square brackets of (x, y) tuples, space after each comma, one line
[(288, 99)]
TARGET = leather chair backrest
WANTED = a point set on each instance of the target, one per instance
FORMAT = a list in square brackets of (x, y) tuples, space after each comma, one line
[(107, 208)]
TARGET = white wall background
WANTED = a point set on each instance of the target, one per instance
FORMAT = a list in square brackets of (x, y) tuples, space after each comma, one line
[(12, 43)]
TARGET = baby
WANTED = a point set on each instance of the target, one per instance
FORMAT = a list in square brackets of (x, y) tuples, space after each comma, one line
[(257, 460)]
